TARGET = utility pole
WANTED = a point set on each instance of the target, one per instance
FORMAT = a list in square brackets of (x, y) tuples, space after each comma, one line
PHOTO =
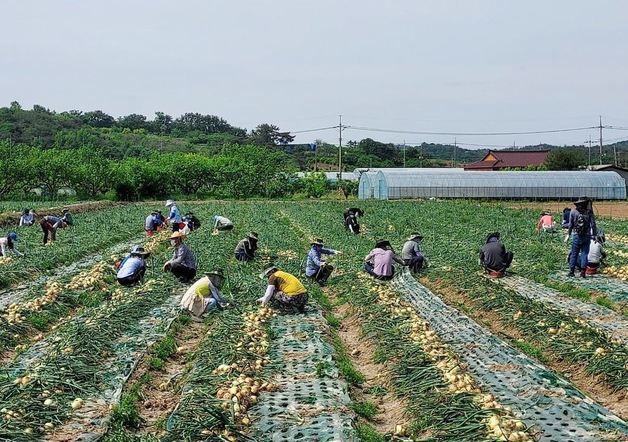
[(340, 149), (404, 153), (455, 149), (600, 140), (589, 151)]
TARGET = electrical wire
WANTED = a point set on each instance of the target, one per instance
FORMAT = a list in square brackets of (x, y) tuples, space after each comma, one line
[(313, 130), (532, 132)]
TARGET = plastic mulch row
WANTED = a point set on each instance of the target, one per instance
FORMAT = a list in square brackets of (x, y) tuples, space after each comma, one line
[(598, 317), (541, 399), (311, 402), (615, 289)]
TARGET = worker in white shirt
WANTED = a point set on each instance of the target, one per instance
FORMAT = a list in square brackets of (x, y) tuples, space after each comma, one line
[(8, 244)]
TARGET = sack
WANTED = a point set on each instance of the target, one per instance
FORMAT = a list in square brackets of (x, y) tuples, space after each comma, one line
[(582, 224)]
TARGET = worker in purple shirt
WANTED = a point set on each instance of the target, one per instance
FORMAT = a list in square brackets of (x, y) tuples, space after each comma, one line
[(379, 261)]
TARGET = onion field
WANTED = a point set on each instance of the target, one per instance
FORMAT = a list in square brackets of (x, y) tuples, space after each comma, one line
[(448, 355)]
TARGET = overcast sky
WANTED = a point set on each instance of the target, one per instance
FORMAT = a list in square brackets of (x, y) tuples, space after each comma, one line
[(442, 65)]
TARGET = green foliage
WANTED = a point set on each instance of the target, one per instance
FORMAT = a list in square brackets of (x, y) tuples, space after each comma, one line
[(156, 363), (366, 409), (165, 348), (367, 433), (531, 350), (565, 159), (126, 412)]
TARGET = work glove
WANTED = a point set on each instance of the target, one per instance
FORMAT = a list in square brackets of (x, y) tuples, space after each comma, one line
[(566, 238)]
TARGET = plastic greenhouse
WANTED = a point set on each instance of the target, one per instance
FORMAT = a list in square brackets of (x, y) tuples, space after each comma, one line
[(368, 184), (435, 183)]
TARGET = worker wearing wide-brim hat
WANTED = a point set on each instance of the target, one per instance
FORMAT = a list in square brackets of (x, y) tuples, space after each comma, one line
[(284, 291), (133, 267), (183, 263), (582, 225), (246, 247), (379, 262), (315, 267), (411, 253), (204, 295)]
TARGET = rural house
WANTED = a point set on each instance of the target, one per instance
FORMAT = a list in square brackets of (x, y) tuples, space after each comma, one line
[(509, 159)]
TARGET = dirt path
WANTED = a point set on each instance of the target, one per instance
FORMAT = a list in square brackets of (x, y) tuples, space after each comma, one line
[(604, 209)]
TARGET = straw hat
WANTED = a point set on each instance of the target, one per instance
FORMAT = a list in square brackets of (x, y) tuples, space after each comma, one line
[(169, 203), (268, 271), (582, 200), (139, 251), (177, 235), (316, 242), (382, 243), (216, 272), (414, 236)]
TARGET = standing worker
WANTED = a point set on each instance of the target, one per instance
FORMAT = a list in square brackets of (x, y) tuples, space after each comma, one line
[(315, 267), (174, 217), (27, 218), (582, 225), (565, 221), (133, 267), (183, 263), (411, 253), (49, 225), (221, 224), (494, 257), (7, 243), (204, 295), (284, 291), (379, 261), (246, 248)]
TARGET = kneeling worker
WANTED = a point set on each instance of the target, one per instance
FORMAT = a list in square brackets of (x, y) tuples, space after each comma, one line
[(246, 248), (284, 291), (315, 267), (204, 295), (133, 267), (411, 253), (596, 255), (379, 262), (493, 256), (183, 263)]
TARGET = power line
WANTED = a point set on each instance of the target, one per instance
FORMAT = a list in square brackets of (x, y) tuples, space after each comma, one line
[(313, 130), (413, 132)]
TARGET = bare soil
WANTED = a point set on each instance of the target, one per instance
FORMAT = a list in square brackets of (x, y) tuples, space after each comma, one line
[(390, 409), (594, 386), (12, 218), (614, 210)]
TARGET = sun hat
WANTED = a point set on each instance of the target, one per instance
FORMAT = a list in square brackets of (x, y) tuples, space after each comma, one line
[(381, 243), (139, 251), (252, 235), (216, 272), (177, 235), (169, 203), (582, 200), (493, 235), (268, 271), (415, 235), (316, 242)]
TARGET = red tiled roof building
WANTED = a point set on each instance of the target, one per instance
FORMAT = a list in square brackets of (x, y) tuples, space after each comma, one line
[(509, 159)]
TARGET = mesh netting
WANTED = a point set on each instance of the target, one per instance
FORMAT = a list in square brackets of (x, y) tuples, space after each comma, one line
[(538, 397), (615, 289), (598, 317), (311, 402)]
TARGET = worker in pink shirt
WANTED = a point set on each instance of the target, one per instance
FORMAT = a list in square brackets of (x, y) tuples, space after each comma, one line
[(379, 262), (546, 223)]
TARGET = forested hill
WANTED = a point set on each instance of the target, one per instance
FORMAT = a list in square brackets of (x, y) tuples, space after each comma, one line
[(136, 135)]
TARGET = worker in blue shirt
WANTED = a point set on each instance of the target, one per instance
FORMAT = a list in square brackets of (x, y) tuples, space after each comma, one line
[(133, 267), (151, 224), (175, 216), (315, 267)]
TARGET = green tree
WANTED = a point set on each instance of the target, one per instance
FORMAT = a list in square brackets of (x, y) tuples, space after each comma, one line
[(565, 159), (269, 135)]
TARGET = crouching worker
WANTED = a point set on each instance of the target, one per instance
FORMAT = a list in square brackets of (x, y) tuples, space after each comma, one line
[(284, 291), (493, 256), (596, 255), (246, 248), (350, 216), (412, 255), (379, 262), (133, 267), (183, 262), (151, 224), (315, 267), (49, 225), (204, 295), (7, 244), (546, 223), (222, 224)]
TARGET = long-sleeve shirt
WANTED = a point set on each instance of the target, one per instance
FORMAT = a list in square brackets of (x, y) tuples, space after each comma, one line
[(200, 295), (573, 217), (4, 246), (220, 221), (183, 256), (54, 220), (382, 260), (247, 247), (596, 252), (411, 249), (314, 261), (175, 215), (27, 220), (151, 223), (493, 254), (130, 266), (283, 282)]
